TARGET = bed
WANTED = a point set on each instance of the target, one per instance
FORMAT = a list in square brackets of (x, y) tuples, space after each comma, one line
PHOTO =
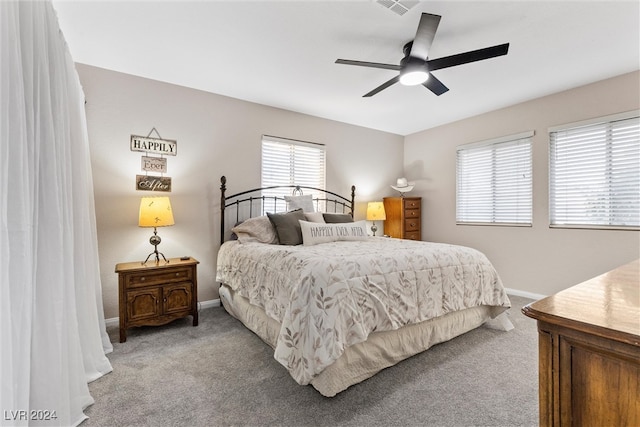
[(336, 305)]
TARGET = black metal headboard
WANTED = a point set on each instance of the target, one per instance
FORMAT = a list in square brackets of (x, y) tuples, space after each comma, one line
[(338, 202)]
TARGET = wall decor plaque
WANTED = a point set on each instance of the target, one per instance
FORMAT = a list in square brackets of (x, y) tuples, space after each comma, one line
[(154, 164), (153, 183), (146, 144)]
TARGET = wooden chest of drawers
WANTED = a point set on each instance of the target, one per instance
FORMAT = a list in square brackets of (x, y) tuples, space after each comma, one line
[(403, 217), (589, 351), (155, 294)]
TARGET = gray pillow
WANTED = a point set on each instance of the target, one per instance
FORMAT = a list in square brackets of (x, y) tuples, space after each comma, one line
[(287, 226), (333, 218)]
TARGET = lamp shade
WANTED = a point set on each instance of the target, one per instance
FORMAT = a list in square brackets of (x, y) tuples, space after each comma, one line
[(375, 211), (155, 212)]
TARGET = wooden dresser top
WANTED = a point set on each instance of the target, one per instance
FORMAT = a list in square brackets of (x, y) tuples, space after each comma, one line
[(607, 305)]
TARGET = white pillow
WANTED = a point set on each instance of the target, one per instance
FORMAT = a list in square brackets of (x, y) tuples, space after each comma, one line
[(314, 217), (352, 230), (314, 233), (300, 202), (257, 229)]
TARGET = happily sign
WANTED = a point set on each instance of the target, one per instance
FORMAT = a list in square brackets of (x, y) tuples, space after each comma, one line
[(167, 147)]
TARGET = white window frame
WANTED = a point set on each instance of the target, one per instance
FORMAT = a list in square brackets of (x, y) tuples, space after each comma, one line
[(490, 190), (591, 191), (292, 162)]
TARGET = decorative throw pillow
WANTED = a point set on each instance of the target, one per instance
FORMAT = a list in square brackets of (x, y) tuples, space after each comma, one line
[(287, 226), (258, 229), (332, 218), (300, 202), (315, 233), (352, 231), (314, 217)]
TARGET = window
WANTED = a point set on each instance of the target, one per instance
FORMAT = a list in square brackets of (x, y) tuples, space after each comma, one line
[(494, 181), (290, 162), (594, 173)]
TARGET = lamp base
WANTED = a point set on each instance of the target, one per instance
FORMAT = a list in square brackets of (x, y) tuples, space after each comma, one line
[(156, 253), (155, 241), (374, 228)]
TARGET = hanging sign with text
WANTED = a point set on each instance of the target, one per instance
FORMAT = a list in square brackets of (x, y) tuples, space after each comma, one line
[(153, 183), (167, 147), (154, 164)]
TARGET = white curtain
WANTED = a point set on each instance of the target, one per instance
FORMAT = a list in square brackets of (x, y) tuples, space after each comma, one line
[(52, 333)]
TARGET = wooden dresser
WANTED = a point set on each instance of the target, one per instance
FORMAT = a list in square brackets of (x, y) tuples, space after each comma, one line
[(403, 217), (157, 293), (589, 351)]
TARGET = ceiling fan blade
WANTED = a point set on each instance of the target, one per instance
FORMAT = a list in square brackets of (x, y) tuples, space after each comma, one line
[(466, 57), (424, 36), (382, 87), (369, 64), (435, 85)]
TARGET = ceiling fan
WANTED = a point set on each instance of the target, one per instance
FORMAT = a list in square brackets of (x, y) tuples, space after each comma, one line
[(416, 67)]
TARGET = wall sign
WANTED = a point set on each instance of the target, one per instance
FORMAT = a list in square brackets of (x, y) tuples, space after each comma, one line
[(167, 147), (157, 164), (153, 183), (154, 164)]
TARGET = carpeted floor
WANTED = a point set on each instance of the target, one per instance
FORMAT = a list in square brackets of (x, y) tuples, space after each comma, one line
[(221, 374)]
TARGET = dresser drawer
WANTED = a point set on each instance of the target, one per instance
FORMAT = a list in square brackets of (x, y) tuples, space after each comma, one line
[(411, 225), (413, 235), (136, 280), (412, 213), (412, 204)]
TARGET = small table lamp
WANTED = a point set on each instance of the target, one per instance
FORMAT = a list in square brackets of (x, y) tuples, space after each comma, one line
[(375, 211), (155, 212)]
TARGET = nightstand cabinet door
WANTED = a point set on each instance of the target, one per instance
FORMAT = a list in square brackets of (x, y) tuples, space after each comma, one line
[(143, 304), (177, 298), (156, 294), (403, 217)]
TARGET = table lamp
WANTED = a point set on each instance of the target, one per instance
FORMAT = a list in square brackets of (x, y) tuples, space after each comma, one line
[(155, 212), (375, 211)]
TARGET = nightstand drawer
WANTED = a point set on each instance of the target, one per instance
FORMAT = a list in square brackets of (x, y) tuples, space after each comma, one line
[(412, 225), (146, 278), (412, 213)]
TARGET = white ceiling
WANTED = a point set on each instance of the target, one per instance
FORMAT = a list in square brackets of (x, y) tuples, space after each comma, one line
[(282, 53)]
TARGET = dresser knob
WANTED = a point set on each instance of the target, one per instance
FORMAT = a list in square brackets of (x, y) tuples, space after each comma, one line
[(177, 274), (142, 279)]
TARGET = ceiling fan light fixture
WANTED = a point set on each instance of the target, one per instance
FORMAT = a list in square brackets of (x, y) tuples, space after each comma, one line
[(413, 78)]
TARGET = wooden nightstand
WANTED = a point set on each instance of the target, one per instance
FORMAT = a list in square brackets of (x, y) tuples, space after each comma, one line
[(156, 294)]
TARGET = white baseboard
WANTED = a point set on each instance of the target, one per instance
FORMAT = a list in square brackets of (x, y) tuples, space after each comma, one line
[(115, 321), (525, 294), (210, 303)]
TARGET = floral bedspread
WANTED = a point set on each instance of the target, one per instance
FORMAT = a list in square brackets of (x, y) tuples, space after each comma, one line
[(333, 295)]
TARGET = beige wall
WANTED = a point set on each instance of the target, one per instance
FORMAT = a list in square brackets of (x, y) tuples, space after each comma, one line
[(221, 136), (538, 259), (216, 136)]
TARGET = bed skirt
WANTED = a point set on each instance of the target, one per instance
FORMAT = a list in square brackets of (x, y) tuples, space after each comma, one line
[(379, 351)]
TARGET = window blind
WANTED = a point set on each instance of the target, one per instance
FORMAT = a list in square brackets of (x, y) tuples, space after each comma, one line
[(594, 175), (494, 184), (291, 162)]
